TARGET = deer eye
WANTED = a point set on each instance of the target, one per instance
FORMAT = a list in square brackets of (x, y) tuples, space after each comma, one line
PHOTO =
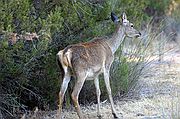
[(132, 25)]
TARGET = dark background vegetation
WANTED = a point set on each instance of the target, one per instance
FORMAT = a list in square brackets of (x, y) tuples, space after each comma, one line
[(29, 75)]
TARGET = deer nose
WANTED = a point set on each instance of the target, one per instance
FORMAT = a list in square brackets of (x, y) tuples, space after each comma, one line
[(140, 33)]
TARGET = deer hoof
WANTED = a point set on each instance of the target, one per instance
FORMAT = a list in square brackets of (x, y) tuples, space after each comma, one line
[(99, 116), (115, 115)]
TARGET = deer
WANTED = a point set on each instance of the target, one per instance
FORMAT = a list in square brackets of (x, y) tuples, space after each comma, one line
[(86, 61)]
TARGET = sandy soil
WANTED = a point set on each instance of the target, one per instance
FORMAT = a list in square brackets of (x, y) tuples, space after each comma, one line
[(157, 96)]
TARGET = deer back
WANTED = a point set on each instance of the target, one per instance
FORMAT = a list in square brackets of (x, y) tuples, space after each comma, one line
[(92, 55)]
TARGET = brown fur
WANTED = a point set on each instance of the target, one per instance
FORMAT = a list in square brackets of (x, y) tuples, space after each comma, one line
[(86, 55)]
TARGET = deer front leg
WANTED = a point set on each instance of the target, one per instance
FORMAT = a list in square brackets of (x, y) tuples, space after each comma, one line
[(64, 86), (75, 94), (107, 83), (98, 93)]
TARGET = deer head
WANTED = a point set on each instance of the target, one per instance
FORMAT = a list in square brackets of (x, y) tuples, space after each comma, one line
[(124, 24)]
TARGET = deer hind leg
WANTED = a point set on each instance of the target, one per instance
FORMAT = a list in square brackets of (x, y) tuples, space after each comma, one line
[(75, 94), (63, 89), (107, 83), (98, 93)]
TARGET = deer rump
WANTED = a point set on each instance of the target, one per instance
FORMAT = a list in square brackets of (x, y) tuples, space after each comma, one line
[(89, 57)]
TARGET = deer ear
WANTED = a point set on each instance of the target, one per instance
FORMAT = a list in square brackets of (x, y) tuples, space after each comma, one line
[(124, 16), (114, 18)]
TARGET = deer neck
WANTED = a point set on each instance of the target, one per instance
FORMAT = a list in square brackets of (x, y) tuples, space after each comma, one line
[(117, 38)]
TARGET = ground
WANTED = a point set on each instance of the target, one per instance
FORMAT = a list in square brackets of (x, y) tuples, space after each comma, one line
[(157, 96)]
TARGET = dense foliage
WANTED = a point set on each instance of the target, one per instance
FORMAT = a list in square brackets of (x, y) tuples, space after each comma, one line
[(29, 75)]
